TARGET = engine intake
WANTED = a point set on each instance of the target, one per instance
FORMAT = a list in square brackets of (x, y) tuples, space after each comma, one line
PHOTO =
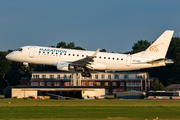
[(64, 66)]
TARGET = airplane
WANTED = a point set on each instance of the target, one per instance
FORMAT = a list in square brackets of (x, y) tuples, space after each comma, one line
[(70, 59)]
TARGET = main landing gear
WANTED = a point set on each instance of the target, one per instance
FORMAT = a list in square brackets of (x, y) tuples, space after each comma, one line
[(86, 73)]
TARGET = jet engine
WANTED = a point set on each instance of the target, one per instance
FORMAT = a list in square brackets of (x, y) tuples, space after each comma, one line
[(64, 66)]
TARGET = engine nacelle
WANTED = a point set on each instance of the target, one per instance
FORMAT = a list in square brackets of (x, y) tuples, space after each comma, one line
[(96, 66), (64, 66)]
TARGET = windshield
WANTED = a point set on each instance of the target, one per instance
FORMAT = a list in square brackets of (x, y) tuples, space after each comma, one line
[(19, 49)]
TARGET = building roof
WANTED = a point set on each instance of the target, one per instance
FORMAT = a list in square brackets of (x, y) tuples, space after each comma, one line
[(173, 86)]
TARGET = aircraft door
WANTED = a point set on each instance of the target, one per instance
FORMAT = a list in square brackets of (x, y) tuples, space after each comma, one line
[(32, 52), (128, 60)]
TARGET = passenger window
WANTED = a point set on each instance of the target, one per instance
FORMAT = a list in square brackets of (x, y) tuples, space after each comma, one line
[(69, 54), (47, 52), (108, 57), (39, 51), (121, 59), (78, 55), (73, 54), (60, 53), (117, 58), (100, 57), (82, 55), (44, 52), (113, 58), (56, 53), (104, 57), (64, 53)]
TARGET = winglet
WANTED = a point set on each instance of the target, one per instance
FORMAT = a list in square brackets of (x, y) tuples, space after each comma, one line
[(94, 55)]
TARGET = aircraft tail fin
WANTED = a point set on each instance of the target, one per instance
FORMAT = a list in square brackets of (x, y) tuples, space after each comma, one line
[(159, 48)]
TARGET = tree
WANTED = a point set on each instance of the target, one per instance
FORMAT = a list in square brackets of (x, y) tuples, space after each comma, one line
[(103, 50), (5, 65), (61, 45), (158, 85), (71, 45), (141, 45)]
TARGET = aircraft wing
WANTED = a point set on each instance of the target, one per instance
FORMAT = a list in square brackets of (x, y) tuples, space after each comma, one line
[(83, 62)]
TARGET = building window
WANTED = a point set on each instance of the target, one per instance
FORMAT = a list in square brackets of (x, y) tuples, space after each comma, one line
[(36, 76), (83, 83), (147, 84), (102, 77), (114, 91), (34, 84), (51, 76), (109, 76), (44, 76), (67, 83), (116, 77), (126, 76), (106, 84), (65, 77), (134, 84), (98, 83), (137, 84), (91, 84), (48, 83), (121, 83), (106, 91), (41, 83), (96, 76), (139, 76), (58, 76), (56, 83), (114, 84)]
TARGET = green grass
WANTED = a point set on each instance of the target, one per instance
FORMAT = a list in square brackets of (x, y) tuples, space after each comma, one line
[(89, 109)]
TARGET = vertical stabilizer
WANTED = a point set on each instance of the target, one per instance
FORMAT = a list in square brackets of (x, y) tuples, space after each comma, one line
[(159, 48)]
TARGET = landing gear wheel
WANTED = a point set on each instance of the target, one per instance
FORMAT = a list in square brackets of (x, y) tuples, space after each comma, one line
[(83, 74), (88, 74)]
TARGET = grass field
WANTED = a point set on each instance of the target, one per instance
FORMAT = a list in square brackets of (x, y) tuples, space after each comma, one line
[(89, 109)]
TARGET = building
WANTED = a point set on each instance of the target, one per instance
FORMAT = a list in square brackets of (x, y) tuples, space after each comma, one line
[(173, 87), (112, 81), (61, 92)]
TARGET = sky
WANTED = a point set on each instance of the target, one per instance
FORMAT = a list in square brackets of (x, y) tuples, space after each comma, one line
[(114, 25)]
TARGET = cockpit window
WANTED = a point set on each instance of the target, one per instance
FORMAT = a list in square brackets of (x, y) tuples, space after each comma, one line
[(19, 49)]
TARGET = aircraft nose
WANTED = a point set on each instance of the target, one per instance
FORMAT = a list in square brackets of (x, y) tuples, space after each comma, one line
[(9, 56)]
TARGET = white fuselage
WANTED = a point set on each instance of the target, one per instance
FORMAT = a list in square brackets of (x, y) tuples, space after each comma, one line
[(51, 56)]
